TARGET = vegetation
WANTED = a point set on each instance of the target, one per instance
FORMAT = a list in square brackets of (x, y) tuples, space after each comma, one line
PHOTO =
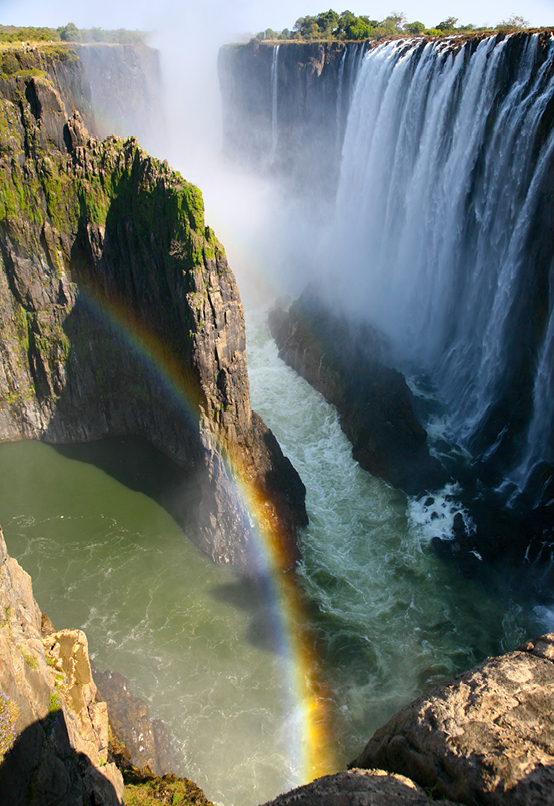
[(68, 33), (144, 789), (9, 712), (329, 25)]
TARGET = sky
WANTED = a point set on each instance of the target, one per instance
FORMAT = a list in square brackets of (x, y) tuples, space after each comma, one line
[(231, 17)]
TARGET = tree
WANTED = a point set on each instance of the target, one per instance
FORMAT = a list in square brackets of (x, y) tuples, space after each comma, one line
[(514, 23), (69, 33), (327, 21), (394, 23), (416, 28), (447, 25)]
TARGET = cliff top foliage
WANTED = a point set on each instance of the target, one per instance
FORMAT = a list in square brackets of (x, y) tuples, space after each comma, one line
[(68, 33), (329, 25)]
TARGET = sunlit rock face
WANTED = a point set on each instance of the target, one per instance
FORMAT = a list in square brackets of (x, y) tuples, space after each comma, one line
[(485, 737), (120, 315), (53, 735)]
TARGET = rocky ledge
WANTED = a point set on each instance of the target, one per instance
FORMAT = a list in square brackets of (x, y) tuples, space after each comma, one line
[(345, 363), (119, 315), (63, 740), (53, 734), (486, 738)]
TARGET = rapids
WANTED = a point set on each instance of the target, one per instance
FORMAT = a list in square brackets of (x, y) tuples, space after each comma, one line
[(389, 619)]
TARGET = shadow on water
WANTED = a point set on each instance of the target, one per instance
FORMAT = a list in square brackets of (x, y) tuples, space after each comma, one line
[(43, 767), (139, 466), (253, 597)]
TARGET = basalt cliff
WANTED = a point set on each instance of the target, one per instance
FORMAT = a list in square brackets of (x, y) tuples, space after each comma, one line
[(283, 111), (120, 315)]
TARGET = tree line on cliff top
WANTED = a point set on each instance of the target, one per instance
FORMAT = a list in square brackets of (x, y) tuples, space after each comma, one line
[(68, 33), (329, 25)]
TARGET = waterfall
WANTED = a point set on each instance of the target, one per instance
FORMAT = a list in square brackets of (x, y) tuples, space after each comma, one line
[(444, 171), (339, 110), (347, 73), (274, 88)]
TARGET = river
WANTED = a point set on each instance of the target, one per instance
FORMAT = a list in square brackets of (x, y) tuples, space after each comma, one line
[(390, 619)]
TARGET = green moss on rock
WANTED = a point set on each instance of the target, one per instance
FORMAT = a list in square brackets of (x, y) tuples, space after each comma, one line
[(144, 789)]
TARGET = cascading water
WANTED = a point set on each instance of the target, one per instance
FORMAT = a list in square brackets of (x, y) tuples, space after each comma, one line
[(274, 100), (347, 73), (443, 172)]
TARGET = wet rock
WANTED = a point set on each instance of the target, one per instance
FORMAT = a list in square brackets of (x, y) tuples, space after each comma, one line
[(145, 742), (344, 362), (486, 737)]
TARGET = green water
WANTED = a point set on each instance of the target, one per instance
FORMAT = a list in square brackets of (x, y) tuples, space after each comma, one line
[(390, 619), (190, 637)]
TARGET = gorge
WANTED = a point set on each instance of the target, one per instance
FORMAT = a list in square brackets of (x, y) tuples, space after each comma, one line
[(389, 618)]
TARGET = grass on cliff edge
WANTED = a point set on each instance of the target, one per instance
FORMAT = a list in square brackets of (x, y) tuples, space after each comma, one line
[(142, 789)]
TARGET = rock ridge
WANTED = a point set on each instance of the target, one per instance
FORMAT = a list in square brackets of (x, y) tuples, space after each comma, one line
[(120, 315), (53, 734), (345, 363)]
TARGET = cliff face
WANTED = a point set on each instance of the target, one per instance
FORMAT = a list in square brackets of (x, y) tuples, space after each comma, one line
[(53, 735), (284, 108), (119, 314), (345, 363), (125, 91)]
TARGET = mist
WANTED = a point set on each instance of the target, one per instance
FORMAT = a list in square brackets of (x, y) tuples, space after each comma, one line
[(271, 237)]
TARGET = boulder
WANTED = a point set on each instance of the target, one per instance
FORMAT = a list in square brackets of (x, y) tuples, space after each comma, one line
[(487, 737), (357, 788)]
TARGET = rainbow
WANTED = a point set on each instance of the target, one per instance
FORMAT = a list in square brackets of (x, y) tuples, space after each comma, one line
[(311, 750)]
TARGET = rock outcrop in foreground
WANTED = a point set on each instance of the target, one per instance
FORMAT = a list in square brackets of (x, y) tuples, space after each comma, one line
[(60, 742), (120, 315), (487, 737), (359, 787), (484, 739), (53, 734)]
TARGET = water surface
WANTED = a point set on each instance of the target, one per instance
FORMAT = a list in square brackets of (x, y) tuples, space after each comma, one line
[(390, 619)]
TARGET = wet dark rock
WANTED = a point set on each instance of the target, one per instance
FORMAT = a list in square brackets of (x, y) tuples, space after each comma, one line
[(344, 362), (308, 138), (138, 741)]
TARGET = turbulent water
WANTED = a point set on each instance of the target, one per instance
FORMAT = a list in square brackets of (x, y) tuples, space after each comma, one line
[(390, 619), (443, 166)]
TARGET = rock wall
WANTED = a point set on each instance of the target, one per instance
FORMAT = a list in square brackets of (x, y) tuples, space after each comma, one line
[(53, 735), (120, 315), (125, 92), (344, 362), (286, 113)]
